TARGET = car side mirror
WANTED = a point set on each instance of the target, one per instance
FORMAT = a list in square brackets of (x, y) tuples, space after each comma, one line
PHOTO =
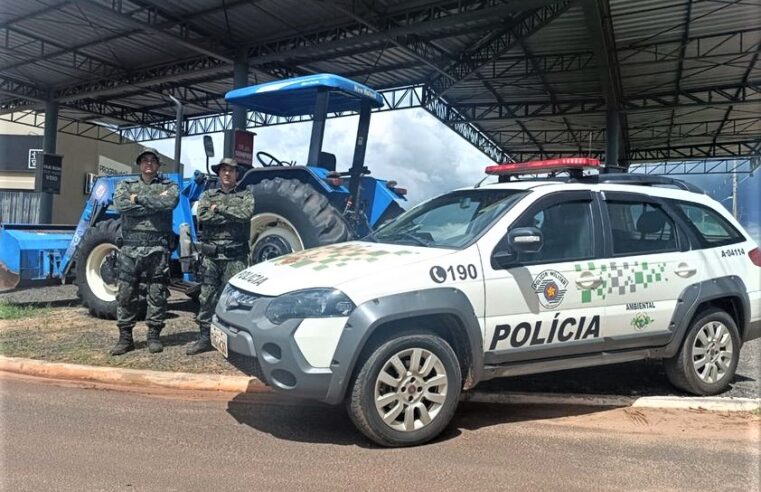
[(519, 240), (525, 240)]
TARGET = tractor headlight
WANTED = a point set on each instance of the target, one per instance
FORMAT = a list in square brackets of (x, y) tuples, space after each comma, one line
[(309, 303)]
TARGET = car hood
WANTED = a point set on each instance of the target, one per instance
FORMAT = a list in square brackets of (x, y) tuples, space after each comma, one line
[(329, 266)]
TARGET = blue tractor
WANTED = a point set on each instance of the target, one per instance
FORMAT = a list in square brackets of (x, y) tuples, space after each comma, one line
[(297, 207)]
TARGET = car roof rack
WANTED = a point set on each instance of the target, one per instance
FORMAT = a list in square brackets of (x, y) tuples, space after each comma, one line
[(639, 180)]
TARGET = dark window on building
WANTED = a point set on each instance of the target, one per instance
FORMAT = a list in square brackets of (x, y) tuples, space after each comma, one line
[(640, 228)]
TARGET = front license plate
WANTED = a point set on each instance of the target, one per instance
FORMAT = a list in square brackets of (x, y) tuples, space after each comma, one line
[(219, 340)]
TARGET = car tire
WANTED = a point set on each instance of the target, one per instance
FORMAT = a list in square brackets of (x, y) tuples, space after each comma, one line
[(418, 403), (707, 360)]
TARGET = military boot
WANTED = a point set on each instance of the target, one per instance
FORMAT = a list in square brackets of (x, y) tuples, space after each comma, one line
[(203, 344), (154, 342), (125, 343)]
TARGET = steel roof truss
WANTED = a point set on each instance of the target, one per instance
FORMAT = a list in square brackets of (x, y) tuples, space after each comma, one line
[(523, 26)]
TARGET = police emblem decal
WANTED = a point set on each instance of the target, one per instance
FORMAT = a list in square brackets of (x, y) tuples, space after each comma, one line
[(550, 287)]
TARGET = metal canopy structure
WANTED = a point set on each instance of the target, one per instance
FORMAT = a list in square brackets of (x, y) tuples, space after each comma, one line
[(645, 80)]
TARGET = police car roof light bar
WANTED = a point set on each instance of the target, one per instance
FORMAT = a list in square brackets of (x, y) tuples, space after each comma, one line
[(551, 165), (574, 166)]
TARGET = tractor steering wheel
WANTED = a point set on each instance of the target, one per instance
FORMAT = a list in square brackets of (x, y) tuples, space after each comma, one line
[(269, 160)]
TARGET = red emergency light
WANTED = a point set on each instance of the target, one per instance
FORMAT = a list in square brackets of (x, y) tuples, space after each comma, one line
[(546, 166)]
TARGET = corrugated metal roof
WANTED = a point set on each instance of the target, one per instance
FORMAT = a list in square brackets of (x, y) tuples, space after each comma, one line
[(680, 74)]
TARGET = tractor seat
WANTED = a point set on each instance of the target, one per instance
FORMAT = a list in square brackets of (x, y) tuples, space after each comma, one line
[(326, 160)]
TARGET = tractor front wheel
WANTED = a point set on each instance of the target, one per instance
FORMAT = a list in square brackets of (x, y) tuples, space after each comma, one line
[(97, 268)]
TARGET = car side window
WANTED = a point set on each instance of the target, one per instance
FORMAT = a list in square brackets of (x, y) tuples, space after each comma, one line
[(640, 228), (567, 231), (713, 229)]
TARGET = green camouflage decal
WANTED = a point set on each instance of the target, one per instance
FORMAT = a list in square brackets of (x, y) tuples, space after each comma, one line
[(622, 278), (640, 321), (337, 256)]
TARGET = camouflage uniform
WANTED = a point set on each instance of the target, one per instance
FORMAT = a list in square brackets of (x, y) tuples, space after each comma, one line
[(228, 228), (144, 255)]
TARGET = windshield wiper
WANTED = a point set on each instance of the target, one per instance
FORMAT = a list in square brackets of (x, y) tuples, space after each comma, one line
[(370, 237), (409, 235)]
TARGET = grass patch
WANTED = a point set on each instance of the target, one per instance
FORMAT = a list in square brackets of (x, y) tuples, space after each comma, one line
[(17, 311), (71, 335), (756, 412)]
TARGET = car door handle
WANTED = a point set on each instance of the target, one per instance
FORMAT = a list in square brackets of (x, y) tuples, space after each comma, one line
[(684, 270), (588, 282)]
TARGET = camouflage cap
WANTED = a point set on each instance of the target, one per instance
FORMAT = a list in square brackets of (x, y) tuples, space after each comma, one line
[(228, 161), (148, 150)]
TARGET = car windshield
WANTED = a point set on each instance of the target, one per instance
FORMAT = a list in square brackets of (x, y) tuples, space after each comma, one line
[(453, 220)]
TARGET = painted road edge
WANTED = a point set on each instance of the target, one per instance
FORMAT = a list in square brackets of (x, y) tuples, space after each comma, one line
[(244, 384), (132, 377)]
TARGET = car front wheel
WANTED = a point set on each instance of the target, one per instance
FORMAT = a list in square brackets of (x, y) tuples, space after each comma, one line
[(407, 390)]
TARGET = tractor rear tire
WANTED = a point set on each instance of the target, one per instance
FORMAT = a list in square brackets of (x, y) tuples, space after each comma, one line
[(289, 216), (96, 270)]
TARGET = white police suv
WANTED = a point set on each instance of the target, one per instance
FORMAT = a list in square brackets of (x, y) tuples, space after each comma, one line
[(518, 277)]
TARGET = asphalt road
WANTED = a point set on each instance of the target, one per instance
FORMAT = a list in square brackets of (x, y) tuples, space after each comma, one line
[(74, 438)]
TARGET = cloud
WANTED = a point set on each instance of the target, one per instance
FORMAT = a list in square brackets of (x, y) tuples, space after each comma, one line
[(409, 146)]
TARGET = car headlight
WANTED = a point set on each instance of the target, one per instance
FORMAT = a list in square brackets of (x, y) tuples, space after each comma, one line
[(233, 298), (309, 303)]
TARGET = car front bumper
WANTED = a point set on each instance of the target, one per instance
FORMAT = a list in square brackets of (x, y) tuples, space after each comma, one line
[(270, 352)]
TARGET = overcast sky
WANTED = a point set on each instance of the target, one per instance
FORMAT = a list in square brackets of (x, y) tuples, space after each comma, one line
[(409, 146)]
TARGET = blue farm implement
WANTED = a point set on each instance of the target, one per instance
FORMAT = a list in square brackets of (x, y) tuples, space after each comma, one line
[(296, 207), (32, 253)]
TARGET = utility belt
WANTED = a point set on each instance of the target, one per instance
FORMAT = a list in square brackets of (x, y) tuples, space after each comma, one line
[(231, 250), (149, 239)]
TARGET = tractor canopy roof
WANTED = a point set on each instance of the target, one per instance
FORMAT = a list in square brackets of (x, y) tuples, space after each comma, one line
[(297, 96)]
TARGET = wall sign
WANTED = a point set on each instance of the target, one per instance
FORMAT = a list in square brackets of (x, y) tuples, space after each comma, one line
[(51, 173), (35, 155)]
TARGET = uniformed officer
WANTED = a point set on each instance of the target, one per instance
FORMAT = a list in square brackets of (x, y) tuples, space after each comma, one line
[(145, 205), (224, 215)]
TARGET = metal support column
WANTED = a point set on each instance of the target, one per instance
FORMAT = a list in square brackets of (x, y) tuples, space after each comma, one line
[(318, 126), (178, 139), (613, 136), (239, 116), (48, 147), (240, 79)]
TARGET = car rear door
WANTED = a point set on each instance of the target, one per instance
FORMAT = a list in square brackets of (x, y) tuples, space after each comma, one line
[(648, 263)]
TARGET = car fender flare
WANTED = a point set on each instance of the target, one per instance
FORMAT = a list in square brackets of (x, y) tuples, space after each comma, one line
[(696, 294), (367, 317)]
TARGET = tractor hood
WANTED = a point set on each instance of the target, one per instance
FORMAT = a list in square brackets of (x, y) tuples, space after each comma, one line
[(332, 266)]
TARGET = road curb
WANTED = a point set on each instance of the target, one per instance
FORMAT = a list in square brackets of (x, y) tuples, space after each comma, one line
[(243, 384), (716, 404), (131, 377)]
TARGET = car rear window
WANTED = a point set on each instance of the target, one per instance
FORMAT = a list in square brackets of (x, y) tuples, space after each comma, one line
[(640, 228), (713, 229)]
